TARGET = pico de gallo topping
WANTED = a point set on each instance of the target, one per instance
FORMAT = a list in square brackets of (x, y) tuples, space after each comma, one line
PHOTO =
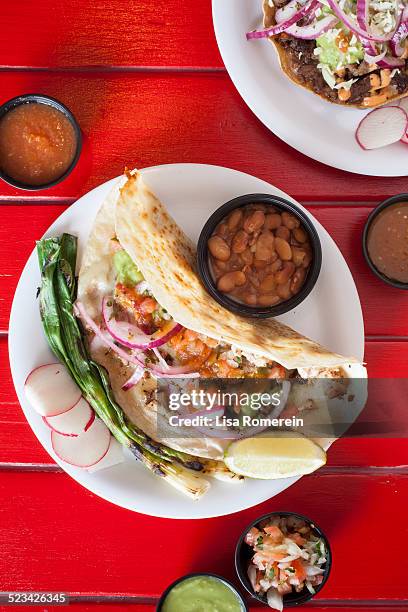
[(134, 300), (288, 557)]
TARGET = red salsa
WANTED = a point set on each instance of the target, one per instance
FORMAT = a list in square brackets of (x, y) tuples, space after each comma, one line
[(37, 143)]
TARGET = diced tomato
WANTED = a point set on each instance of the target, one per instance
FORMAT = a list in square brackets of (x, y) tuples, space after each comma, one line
[(277, 371), (274, 533), (148, 306), (300, 571)]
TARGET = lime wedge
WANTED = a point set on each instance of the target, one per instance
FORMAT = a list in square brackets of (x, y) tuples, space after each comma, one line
[(281, 456)]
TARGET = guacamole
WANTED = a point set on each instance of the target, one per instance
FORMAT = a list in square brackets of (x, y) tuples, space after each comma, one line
[(202, 594), (127, 272)]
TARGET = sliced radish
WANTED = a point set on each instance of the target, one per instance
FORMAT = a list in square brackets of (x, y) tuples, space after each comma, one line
[(112, 457), (382, 127), (51, 390), (85, 450), (403, 103), (74, 422)]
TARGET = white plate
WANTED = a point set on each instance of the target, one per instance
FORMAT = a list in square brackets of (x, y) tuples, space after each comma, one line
[(331, 314), (317, 128)]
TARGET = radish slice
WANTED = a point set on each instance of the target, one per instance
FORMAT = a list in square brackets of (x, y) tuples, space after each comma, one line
[(74, 422), (114, 456), (85, 450), (382, 127), (403, 103), (51, 390)]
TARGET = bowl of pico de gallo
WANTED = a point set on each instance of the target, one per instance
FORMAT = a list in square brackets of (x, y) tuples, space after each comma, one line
[(283, 559)]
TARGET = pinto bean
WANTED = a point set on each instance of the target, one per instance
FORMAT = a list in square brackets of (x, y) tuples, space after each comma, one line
[(290, 221), (239, 242), (247, 257), (250, 299), (283, 249), (282, 232), (222, 230), (268, 299), (235, 219), (297, 280), (219, 267), (273, 221), (219, 248), (298, 256), (300, 235), (260, 264), (275, 265), (265, 246), (307, 260), (283, 291), (254, 221), (230, 280), (286, 273), (268, 284)]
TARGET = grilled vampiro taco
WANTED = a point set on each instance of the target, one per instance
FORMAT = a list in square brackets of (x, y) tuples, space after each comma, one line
[(349, 52)]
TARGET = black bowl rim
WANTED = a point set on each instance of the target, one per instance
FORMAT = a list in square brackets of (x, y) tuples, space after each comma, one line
[(202, 255), (400, 197), (50, 101), (193, 575), (303, 596)]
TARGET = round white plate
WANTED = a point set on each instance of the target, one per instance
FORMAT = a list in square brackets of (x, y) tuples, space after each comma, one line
[(317, 128), (331, 315)]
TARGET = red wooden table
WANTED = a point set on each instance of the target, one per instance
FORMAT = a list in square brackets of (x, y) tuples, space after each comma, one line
[(147, 84)]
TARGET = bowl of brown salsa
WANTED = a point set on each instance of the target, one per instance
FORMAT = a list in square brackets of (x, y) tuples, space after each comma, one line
[(40, 142), (259, 255), (385, 241)]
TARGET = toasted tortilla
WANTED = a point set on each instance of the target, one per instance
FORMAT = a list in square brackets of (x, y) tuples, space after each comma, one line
[(166, 258), (288, 68)]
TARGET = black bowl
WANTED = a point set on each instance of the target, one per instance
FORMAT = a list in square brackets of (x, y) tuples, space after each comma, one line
[(401, 197), (41, 99), (233, 305), (244, 552), (187, 576)]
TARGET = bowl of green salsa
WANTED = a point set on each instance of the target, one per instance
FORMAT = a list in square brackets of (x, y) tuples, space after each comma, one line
[(201, 593)]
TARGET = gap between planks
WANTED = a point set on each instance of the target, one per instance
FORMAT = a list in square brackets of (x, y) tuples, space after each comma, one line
[(345, 470), (76, 598), (124, 68), (67, 201)]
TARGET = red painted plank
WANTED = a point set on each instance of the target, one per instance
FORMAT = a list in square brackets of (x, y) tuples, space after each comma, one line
[(380, 302), (146, 119), (19, 445), (43, 542), (128, 33)]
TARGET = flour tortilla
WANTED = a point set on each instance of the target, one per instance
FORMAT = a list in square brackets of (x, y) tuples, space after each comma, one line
[(166, 258), (288, 68)]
